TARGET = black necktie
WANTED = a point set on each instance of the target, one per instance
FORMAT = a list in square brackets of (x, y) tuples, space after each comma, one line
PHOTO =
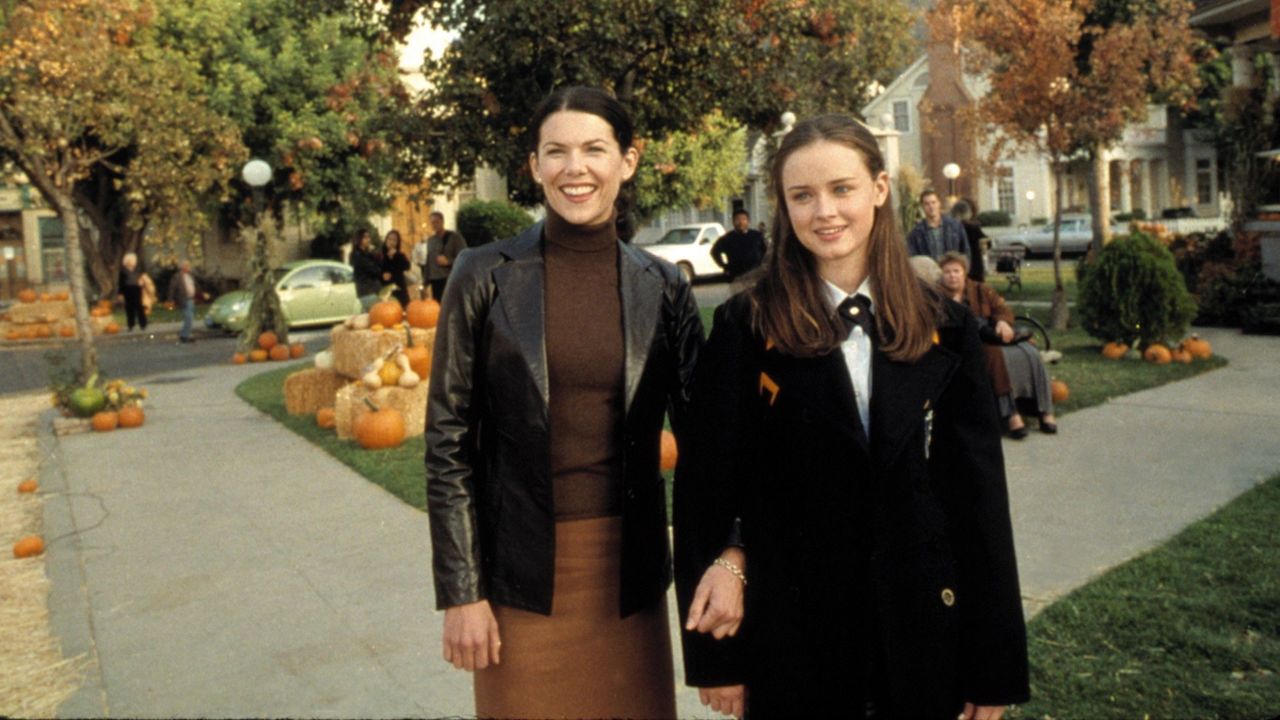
[(856, 310)]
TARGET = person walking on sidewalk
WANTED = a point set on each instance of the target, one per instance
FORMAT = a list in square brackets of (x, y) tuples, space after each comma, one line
[(740, 250), (133, 284), (182, 291), (936, 233), (844, 435), (436, 254), (557, 355)]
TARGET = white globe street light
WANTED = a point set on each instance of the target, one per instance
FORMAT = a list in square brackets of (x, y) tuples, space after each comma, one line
[(1031, 198), (256, 173), (788, 119), (951, 171)]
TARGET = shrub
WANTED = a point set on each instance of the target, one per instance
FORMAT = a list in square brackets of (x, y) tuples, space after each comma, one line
[(1136, 214), (1133, 291), (994, 218), (483, 221)]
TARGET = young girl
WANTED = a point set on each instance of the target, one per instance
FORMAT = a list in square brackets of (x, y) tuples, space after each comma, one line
[(846, 437), (557, 355)]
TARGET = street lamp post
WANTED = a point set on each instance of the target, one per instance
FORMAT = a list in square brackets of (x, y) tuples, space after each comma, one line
[(951, 171), (1031, 210), (264, 305)]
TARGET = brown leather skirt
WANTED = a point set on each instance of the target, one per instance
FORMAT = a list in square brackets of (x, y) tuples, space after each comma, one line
[(582, 661)]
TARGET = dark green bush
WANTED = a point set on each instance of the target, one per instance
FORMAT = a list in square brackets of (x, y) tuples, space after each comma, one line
[(1237, 298), (994, 218), (1133, 291), (483, 221), (1136, 214)]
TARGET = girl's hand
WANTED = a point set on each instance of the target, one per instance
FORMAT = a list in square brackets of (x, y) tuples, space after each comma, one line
[(727, 700), (717, 602), (471, 639), (981, 712)]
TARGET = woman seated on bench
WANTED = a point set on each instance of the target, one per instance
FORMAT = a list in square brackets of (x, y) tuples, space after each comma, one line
[(1017, 372)]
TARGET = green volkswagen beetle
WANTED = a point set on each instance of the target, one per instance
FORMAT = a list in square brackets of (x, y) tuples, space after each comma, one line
[(312, 292)]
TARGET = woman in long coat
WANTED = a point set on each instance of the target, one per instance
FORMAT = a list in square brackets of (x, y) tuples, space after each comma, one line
[(846, 437)]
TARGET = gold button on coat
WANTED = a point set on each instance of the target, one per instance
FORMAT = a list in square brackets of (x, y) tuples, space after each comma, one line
[(948, 597)]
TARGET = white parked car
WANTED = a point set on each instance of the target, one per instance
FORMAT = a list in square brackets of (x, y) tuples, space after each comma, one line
[(689, 247), (1075, 235)]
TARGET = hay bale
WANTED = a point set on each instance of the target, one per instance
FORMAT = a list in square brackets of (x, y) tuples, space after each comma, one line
[(411, 402), (41, 312), (306, 391), (354, 349)]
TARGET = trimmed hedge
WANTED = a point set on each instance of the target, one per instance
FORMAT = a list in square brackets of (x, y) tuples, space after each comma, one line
[(1132, 291), (483, 221), (994, 218)]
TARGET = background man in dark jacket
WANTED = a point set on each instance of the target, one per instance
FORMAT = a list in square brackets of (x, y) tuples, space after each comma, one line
[(936, 234), (741, 249)]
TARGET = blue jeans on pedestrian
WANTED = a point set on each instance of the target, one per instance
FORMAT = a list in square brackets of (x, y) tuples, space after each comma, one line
[(188, 317)]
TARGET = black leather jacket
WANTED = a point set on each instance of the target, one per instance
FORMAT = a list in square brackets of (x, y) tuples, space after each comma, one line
[(489, 492)]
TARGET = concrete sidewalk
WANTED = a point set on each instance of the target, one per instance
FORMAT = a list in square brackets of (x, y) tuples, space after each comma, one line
[(215, 564)]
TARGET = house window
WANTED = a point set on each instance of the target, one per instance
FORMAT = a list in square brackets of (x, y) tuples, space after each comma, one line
[(53, 250), (1006, 199), (901, 116), (1204, 181)]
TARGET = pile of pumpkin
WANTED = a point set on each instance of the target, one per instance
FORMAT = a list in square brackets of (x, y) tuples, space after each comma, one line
[(113, 405), (1190, 349), (30, 545), (47, 315), (269, 347), (370, 385)]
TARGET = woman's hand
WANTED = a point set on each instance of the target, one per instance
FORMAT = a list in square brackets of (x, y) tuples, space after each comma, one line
[(717, 602), (1004, 330), (981, 712), (471, 639), (386, 276), (727, 700), (442, 260)]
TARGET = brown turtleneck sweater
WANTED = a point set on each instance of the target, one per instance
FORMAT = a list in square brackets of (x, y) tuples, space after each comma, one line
[(585, 360)]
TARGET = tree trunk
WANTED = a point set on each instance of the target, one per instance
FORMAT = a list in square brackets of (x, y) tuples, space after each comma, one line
[(1059, 314), (75, 272), (1100, 197)]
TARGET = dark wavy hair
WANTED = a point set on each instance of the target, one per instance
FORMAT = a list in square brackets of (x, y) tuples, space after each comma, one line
[(595, 101), (789, 303)]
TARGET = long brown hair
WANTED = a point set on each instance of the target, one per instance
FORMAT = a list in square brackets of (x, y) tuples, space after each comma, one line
[(789, 304)]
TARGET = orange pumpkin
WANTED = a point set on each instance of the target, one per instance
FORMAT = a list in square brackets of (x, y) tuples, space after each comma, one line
[(131, 416), (257, 355), (419, 356), (32, 332), (669, 451), (1114, 350), (1157, 353), (29, 546), (1199, 349), (99, 311), (1181, 355), (326, 418), (28, 486), (13, 335), (296, 350), (267, 340), (386, 313), (105, 420), (238, 358), (279, 352), (27, 296), (423, 313), (379, 428), (1059, 390), (112, 328), (44, 331), (67, 331)]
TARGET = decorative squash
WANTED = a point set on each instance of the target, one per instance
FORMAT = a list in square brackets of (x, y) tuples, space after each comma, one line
[(1114, 350), (389, 373), (1059, 390), (267, 340), (238, 358), (386, 313), (296, 350), (105, 420), (419, 356), (359, 322), (87, 400), (112, 328), (131, 416), (279, 352), (257, 355), (29, 546), (380, 428), (1181, 355), (326, 418), (408, 378), (324, 360), (1157, 353), (27, 296), (423, 313), (1199, 349), (669, 452), (28, 486)]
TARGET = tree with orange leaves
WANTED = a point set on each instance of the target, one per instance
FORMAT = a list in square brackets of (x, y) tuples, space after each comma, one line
[(1067, 76)]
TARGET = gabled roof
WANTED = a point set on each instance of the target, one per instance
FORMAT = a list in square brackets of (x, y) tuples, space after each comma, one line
[(906, 76)]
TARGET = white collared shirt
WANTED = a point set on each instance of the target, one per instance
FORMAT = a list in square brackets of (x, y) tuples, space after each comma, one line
[(857, 353)]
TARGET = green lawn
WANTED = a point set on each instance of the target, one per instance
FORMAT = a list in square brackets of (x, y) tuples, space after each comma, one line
[(1037, 283), (1190, 630)]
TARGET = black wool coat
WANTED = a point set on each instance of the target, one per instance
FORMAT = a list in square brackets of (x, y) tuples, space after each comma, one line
[(878, 566)]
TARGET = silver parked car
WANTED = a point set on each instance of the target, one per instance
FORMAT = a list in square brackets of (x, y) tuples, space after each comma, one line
[(1075, 236)]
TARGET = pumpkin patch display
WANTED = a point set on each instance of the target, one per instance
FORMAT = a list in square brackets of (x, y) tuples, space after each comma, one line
[(27, 296), (131, 416), (1114, 350), (669, 452), (29, 546), (349, 405), (1158, 354), (1059, 390), (1200, 349), (105, 420), (380, 428)]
